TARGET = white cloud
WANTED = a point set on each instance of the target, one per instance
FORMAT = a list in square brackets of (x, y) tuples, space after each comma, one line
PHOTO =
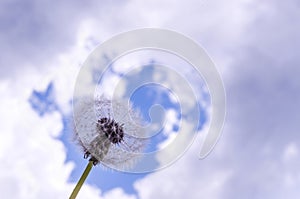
[(171, 119), (187, 178), (290, 152), (91, 192), (253, 43), (258, 151), (117, 193), (32, 158)]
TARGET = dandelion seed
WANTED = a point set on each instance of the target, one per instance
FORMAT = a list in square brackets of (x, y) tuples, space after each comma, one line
[(109, 132)]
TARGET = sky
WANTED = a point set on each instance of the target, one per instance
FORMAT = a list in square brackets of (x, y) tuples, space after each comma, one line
[(253, 44)]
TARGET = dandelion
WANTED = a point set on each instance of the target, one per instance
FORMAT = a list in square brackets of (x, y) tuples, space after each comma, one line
[(109, 132)]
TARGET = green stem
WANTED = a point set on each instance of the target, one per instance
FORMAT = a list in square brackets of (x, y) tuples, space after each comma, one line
[(81, 180)]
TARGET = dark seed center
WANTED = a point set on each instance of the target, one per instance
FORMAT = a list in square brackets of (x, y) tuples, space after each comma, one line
[(113, 131)]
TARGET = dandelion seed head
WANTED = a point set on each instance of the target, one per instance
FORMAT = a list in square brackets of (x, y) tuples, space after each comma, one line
[(109, 132), (112, 130)]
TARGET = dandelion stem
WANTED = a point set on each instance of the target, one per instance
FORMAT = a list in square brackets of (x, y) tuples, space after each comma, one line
[(81, 180)]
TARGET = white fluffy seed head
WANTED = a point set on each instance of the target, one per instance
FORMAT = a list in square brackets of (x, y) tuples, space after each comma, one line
[(97, 142)]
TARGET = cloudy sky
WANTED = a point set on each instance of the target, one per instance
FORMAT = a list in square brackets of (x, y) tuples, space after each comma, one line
[(254, 45)]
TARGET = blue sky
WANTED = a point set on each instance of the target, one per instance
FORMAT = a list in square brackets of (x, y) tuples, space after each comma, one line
[(254, 45)]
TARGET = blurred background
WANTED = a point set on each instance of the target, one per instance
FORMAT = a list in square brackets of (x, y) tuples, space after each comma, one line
[(255, 46)]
